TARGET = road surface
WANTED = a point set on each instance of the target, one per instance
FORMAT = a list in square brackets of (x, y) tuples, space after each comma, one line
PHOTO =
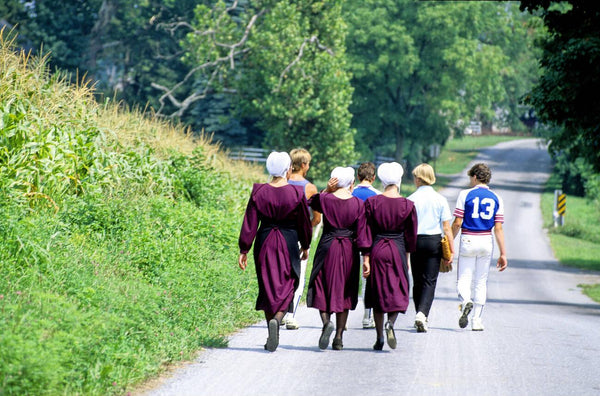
[(542, 335)]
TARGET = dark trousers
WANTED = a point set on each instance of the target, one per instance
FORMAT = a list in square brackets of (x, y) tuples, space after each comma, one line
[(425, 266)]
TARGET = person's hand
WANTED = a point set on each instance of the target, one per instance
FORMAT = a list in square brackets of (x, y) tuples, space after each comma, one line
[(243, 261), (303, 254), (366, 267), (332, 185), (445, 266), (502, 263), (450, 260)]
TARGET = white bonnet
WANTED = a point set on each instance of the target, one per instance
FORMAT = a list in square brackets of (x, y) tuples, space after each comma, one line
[(390, 173), (278, 163), (345, 176)]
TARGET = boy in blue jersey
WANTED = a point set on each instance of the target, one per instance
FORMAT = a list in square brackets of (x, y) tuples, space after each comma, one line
[(366, 177), (478, 211)]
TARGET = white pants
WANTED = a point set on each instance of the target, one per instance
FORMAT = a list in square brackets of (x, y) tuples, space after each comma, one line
[(474, 259), (300, 289), (363, 281)]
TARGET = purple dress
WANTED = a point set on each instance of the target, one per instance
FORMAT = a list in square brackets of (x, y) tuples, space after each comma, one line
[(393, 226), (278, 218), (333, 285)]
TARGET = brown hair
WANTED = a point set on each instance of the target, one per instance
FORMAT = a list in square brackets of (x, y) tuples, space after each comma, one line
[(425, 173), (299, 156), (366, 170), (482, 172)]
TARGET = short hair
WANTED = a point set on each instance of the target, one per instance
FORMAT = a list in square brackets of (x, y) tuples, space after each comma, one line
[(482, 172), (425, 173), (299, 156), (366, 170)]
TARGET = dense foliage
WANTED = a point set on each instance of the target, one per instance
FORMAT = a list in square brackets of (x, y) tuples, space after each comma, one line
[(566, 93), (422, 70), (117, 240), (565, 98), (279, 74)]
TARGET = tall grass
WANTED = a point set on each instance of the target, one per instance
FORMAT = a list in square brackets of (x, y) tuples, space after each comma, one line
[(118, 238)]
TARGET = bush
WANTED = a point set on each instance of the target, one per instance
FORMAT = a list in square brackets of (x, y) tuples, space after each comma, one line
[(116, 258)]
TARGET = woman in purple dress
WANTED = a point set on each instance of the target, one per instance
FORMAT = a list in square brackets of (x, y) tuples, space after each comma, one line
[(392, 221), (333, 286), (277, 216)]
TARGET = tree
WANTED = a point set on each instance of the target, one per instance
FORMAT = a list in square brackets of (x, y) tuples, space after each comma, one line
[(566, 95), (420, 68), (284, 63), (295, 77)]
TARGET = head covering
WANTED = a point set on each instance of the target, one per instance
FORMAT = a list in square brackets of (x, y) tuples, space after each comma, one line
[(345, 176), (278, 164), (390, 173)]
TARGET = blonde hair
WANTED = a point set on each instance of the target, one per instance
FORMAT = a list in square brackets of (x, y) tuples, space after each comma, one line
[(425, 173), (299, 156)]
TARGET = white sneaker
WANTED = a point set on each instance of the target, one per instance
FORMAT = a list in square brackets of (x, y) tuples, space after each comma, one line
[(477, 325), (421, 322), (368, 323), (291, 324)]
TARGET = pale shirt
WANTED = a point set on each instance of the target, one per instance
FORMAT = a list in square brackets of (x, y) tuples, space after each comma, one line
[(432, 210)]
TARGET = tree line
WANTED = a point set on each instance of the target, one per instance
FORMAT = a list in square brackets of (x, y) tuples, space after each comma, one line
[(344, 79)]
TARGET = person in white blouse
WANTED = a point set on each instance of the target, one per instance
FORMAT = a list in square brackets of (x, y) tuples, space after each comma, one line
[(433, 214)]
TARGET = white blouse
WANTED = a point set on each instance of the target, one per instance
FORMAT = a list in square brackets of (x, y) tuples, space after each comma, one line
[(432, 210)]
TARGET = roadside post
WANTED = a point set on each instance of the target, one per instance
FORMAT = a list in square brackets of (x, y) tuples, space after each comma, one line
[(434, 152), (560, 207)]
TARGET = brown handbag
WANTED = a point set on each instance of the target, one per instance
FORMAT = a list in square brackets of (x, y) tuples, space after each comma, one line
[(446, 254)]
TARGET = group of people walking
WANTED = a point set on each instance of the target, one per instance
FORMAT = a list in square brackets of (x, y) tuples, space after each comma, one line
[(381, 230)]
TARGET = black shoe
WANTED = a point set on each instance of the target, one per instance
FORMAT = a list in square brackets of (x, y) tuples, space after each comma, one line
[(378, 346), (337, 344), (463, 321), (391, 336), (273, 339), (328, 328)]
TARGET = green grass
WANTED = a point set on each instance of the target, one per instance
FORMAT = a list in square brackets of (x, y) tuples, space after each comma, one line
[(592, 291), (577, 243), (102, 295)]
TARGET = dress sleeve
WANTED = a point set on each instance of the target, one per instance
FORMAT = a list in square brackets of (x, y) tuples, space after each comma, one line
[(315, 202), (363, 232), (304, 225), (249, 225), (410, 231)]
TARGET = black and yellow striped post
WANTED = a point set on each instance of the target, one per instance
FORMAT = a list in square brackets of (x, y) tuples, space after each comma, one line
[(560, 207)]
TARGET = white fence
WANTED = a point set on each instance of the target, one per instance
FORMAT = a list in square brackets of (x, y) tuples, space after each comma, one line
[(251, 154), (254, 154)]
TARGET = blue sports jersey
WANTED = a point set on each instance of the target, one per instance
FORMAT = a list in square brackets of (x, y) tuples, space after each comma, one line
[(364, 192), (480, 208)]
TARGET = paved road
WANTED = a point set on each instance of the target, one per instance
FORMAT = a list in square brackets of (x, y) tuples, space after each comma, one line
[(542, 336)]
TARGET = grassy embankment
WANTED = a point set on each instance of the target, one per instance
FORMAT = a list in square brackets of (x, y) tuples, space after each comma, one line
[(118, 239), (577, 242)]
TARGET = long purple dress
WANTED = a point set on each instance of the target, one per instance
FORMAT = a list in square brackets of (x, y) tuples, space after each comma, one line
[(278, 217), (333, 285), (393, 226)]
